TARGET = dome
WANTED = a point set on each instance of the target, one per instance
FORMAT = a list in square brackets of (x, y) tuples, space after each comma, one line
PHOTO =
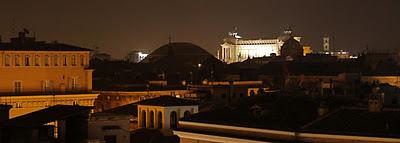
[(181, 51)]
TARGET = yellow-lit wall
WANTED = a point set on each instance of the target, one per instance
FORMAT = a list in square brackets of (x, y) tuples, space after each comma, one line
[(26, 104), (307, 50), (33, 76)]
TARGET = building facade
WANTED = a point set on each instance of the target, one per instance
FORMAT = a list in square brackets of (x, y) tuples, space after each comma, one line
[(136, 56), (235, 49), (44, 71)]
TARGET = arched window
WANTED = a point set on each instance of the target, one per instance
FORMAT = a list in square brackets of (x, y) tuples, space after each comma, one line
[(7, 60), (82, 60), (173, 120), (160, 121), (65, 61), (55, 60), (16, 60), (27, 60), (151, 119), (37, 60), (73, 60), (144, 119), (46, 60), (186, 115)]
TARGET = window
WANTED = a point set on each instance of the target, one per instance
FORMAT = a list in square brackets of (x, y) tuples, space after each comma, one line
[(160, 120), (46, 60), (17, 87), (73, 60), (27, 59), (173, 120), (143, 118), (186, 115), (7, 60), (82, 60), (37, 60), (16, 62), (46, 84), (65, 61), (151, 119), (55, 60), (74, 83)]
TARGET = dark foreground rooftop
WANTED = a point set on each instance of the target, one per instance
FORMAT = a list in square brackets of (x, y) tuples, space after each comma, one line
[(50, 114), (353, 121)]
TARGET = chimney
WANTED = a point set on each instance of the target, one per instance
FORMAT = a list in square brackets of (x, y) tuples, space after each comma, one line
[(4, 112)]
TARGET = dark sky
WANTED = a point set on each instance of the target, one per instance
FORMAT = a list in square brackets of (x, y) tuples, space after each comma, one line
[(119, 26)]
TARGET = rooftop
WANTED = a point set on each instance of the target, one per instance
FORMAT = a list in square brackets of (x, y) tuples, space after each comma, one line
[(352, 121), (24, 43), (167, 101), (47, 115)]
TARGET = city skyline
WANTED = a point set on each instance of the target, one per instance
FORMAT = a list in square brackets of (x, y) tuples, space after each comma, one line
[(120, 27)]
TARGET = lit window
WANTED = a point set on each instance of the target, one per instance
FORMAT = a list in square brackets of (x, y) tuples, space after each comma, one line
[(7, 60), (27, 59), (46, 84), (55, 60), (74, 83), (73, 60), (37, 60), (65, 61), (82, 61), (16, 60), (17, 87), (46, 60)]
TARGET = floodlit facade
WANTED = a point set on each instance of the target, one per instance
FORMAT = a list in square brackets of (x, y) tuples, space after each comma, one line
[(164, 112), (235, 49), (36, 74), (136, 56)]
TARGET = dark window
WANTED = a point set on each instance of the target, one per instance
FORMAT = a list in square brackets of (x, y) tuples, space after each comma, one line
[(143, 118), (110, 127), (173, 120), (223, 95), (186, 115), (160, 120), (151, 119)]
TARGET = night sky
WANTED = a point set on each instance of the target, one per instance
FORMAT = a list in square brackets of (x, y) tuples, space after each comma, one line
[(121, 26)]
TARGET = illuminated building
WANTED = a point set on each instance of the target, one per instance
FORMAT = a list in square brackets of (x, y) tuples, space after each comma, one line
[(136, 56), (307, 50), (326, 44), (236, 49), (35, 74), (164, 112)]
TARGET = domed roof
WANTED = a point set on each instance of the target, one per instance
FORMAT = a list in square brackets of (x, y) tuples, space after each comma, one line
[(179, 50)]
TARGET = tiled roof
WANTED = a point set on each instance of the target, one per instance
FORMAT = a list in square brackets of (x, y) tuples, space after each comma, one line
[(167, 101), (40, 46), (50, 114)]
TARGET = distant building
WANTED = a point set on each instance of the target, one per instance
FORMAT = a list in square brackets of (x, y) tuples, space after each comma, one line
[(136, 56), (236, 49), (164, 112), (326, 44), (35, 74)]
